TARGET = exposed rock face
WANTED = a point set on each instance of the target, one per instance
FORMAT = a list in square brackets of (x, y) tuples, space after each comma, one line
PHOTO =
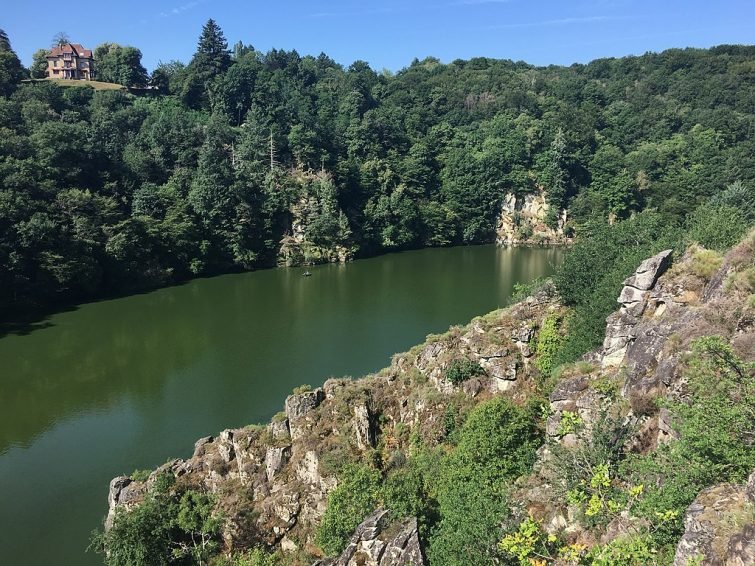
[(275, 459), (297, 408), (369, 546), (123, 492), (363, 429), (502, 352), (719, 527), (522, 221), (621, 331)]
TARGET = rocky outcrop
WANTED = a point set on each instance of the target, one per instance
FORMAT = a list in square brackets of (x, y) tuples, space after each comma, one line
[(371, 545), (281, 473), (621, 329), (719, 527), (297, 408), (363, 429), (503, 352), (523, 221)]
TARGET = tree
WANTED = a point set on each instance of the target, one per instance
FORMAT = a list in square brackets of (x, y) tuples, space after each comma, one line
[(211, 59), (60, 39), (4, 41), (118, 64), (38, 69), (11, 71)]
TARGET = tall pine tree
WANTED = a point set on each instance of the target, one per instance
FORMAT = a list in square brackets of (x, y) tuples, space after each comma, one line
[(211, 60)]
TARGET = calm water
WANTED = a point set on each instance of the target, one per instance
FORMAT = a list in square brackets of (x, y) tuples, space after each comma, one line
[(129, 383)]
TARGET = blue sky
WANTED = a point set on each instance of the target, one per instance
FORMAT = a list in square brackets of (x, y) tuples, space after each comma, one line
[(389, 34)]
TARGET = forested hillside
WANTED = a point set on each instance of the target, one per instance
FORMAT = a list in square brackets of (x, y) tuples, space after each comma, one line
[(107, 192)]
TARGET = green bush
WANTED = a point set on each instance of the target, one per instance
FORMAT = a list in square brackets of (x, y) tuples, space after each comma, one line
[(716, 227), (549, 341), (637, 550), (497, 443), (356, 496), (459, 371), (168, 526), (715, 428), (143, 535), (407, 493)]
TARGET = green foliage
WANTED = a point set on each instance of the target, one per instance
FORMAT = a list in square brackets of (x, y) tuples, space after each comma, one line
[(636, 550), (255, 557), (196, 518), (523, 290), (355, 497), (568, 423), (527, 543), (166, 527), (118, 64), (460, 370), (408, 493), (549, 341), (716, 227), (715, 429), (140, 475), (496, 444), (180, 183)]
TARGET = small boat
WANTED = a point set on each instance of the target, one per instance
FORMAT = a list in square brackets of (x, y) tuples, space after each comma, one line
[(307, 274)]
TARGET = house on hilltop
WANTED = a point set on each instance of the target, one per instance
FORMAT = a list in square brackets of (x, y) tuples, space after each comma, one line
[(70, 61)]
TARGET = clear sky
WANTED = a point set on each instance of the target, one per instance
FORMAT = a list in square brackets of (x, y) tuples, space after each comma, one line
[(390, 33)]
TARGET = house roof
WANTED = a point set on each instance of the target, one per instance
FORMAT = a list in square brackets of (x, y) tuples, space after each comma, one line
[(73, 48)]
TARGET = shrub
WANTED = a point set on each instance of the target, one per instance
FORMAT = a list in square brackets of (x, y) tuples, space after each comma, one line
[(497, 443), (167, 526), (254, 557), (407, 494), (355, 497), (636, 550), (715, 443), (704, 262), (140, 475), (548, 343), (459, 371), (716, 227)]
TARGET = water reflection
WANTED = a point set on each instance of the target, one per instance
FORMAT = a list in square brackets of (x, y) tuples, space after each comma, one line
[(116, 385)]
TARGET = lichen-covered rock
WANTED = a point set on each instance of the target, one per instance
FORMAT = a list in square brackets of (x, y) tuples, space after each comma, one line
[(279, 429), (275, 459), (718, 528), (369, 546), (297, 408), (363, 429), (621, 328)]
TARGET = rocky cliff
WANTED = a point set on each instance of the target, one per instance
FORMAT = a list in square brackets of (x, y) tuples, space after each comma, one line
[(523, 221), (273, 481)]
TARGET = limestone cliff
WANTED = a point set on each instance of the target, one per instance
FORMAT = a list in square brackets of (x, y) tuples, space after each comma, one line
[(522, 221)]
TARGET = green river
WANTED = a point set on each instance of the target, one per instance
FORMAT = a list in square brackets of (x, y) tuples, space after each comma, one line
[(112, 386)]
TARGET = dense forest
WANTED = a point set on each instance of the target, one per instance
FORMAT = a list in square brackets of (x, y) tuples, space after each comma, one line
[(105, 192)]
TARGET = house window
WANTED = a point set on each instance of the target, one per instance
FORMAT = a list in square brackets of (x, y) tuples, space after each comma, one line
[(55, 63)]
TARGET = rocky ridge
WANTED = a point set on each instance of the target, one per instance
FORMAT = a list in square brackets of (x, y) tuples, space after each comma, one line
[(286, 466)]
